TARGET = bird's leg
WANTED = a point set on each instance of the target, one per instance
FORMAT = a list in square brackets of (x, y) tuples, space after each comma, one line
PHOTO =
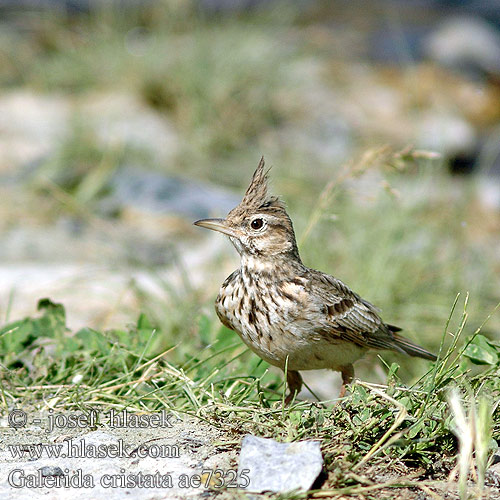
[(347, 372), (294, 382)]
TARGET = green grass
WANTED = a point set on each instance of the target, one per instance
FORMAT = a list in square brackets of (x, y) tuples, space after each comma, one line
[(375, 428)]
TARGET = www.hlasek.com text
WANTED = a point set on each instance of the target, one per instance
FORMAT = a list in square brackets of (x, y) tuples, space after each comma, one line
[(79, 448)]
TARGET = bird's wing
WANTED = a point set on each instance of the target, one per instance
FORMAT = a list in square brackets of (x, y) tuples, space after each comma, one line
[(346, 316), (226, 288)]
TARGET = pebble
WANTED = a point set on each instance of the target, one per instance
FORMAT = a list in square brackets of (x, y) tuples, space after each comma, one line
[(279, 467), (51, 470)]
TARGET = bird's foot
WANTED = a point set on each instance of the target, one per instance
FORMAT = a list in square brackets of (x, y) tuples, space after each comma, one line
[(294, 382)]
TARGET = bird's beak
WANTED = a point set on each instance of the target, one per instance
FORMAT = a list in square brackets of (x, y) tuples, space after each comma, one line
[(217, 225)]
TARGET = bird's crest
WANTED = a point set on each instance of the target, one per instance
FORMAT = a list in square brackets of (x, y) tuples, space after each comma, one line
[(256, 195)]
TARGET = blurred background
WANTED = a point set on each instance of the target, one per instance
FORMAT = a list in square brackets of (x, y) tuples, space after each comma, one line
[(122, 122)]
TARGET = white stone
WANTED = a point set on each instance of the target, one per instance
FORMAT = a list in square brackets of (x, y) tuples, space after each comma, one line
[(279, 467)]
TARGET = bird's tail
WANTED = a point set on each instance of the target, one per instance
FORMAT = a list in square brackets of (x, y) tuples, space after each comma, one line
[(408, 346)]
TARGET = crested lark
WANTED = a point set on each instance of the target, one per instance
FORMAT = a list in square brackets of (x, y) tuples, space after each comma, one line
[(289, 315)]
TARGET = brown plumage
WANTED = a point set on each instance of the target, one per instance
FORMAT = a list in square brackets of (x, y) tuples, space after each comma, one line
[(289, 315)]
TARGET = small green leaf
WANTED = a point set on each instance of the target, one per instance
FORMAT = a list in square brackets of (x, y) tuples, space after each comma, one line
[(481, 352), (92, 340), (143, 323)]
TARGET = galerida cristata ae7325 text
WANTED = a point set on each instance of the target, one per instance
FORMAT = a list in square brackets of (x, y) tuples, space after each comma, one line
[(292, 316)]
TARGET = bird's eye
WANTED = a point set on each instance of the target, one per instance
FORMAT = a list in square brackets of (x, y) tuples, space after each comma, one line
[(257, 224)]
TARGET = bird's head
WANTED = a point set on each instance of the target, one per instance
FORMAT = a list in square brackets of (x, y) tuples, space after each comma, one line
[(259, 226)]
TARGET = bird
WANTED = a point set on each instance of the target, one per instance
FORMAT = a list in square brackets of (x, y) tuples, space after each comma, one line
[(292, 316)]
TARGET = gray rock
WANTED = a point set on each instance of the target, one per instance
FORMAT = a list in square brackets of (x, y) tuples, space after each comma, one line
[(31, 125), (488, 191), (493, 473), (466, 43), (279, 467), (89, 473), (445, 132), (120, 119), (155, 193), (51, 470), (328, 138), (488, 170), (488, 163)]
